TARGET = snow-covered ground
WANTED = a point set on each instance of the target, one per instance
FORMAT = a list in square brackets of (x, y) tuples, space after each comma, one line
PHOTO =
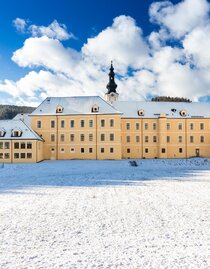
[(105, 214)]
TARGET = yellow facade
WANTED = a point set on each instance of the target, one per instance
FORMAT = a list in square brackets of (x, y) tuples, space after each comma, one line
[(18, 151), (79, 136), (165, 137)]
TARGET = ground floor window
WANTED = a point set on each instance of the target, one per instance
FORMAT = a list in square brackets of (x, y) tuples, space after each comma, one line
[(90, 150), (146, 150), (22, 155), (111, 150), (163, 150), (1, 155), (128, 150), (180, 150), (6, 155), (16, 155), (82, 150), (102, 150), (29, 155)]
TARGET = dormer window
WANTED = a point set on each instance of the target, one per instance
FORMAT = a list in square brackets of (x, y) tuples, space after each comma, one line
[(2, 132), (95, 108), (183, 113), (59, 109), (141, 112), (16, 132)]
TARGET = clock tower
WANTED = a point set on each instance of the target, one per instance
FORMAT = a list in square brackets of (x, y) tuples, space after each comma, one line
[(111, 95)]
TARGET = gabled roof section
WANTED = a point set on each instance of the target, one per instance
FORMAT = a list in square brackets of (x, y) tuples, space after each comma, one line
[(79, 105), (24, 117), (170, 109), (10, 125)]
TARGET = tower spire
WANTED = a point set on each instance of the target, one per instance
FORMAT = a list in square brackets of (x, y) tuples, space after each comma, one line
[(111, 86), (111, 95)]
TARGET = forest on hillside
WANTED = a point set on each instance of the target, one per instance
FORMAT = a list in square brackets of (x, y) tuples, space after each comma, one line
[(170, 99), (9, 111)]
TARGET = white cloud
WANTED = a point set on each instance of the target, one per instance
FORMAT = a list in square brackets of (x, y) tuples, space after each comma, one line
[(181, 18), (54, 30), (20, 24), (145, 66), (122, 42)]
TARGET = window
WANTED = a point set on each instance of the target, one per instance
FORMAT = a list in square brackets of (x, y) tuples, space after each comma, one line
[(52, 149), (22, 145), (163, 150), (202, 139), (16, 132), (102, 150), (59, 109), (63, 124), (29, 145), (82, 150), (137, 126), (102, 123), (6, 145), (62, 150), (16, 155), (180, 126), (146, 150), (16, 145), (90, 137), (72, 123), (180, 150), (29, 155), (39, 124), (154, 126), (191, 139), (155, 139), (82, 137), (72, 150), (1, 145), (62, 137), (90, 123), (128, 126), (146, 126), (22, 155), (168, 126), (191, 126), (2, 132), (201, 126), (168, 139), (111, 137), (111, 123), (90, 150), (6, 156), (82, 123), (146, 139), (137, 139), (111, 150), (52, 124), (1, 155), (52, 138), (128, 139), (102, 137), (128, 150), (71, 137), (180, 139), (95, 108)]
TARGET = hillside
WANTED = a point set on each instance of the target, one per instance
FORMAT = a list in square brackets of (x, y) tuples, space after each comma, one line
[(9, 112)]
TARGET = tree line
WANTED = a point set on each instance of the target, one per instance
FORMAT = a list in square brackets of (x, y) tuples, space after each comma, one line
[(9, 111), (170, 99)]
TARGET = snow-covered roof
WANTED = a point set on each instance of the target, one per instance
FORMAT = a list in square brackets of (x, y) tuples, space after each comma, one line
[(17, 125), (171, 109), (78, 105), (24, 117)]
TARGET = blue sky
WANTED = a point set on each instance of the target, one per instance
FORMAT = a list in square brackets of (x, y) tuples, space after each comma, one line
[(163, 46)]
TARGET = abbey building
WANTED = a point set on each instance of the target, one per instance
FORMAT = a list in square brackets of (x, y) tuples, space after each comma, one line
[(90, 127)]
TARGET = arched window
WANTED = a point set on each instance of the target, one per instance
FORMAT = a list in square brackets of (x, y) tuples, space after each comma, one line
[(95, 108), (16, 132), (59, 109)]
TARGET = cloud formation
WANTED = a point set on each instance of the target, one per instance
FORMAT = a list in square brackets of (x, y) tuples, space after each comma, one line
[(145, 65)]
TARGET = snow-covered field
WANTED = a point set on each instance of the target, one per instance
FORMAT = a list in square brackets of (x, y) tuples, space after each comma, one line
[(105, 214)]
